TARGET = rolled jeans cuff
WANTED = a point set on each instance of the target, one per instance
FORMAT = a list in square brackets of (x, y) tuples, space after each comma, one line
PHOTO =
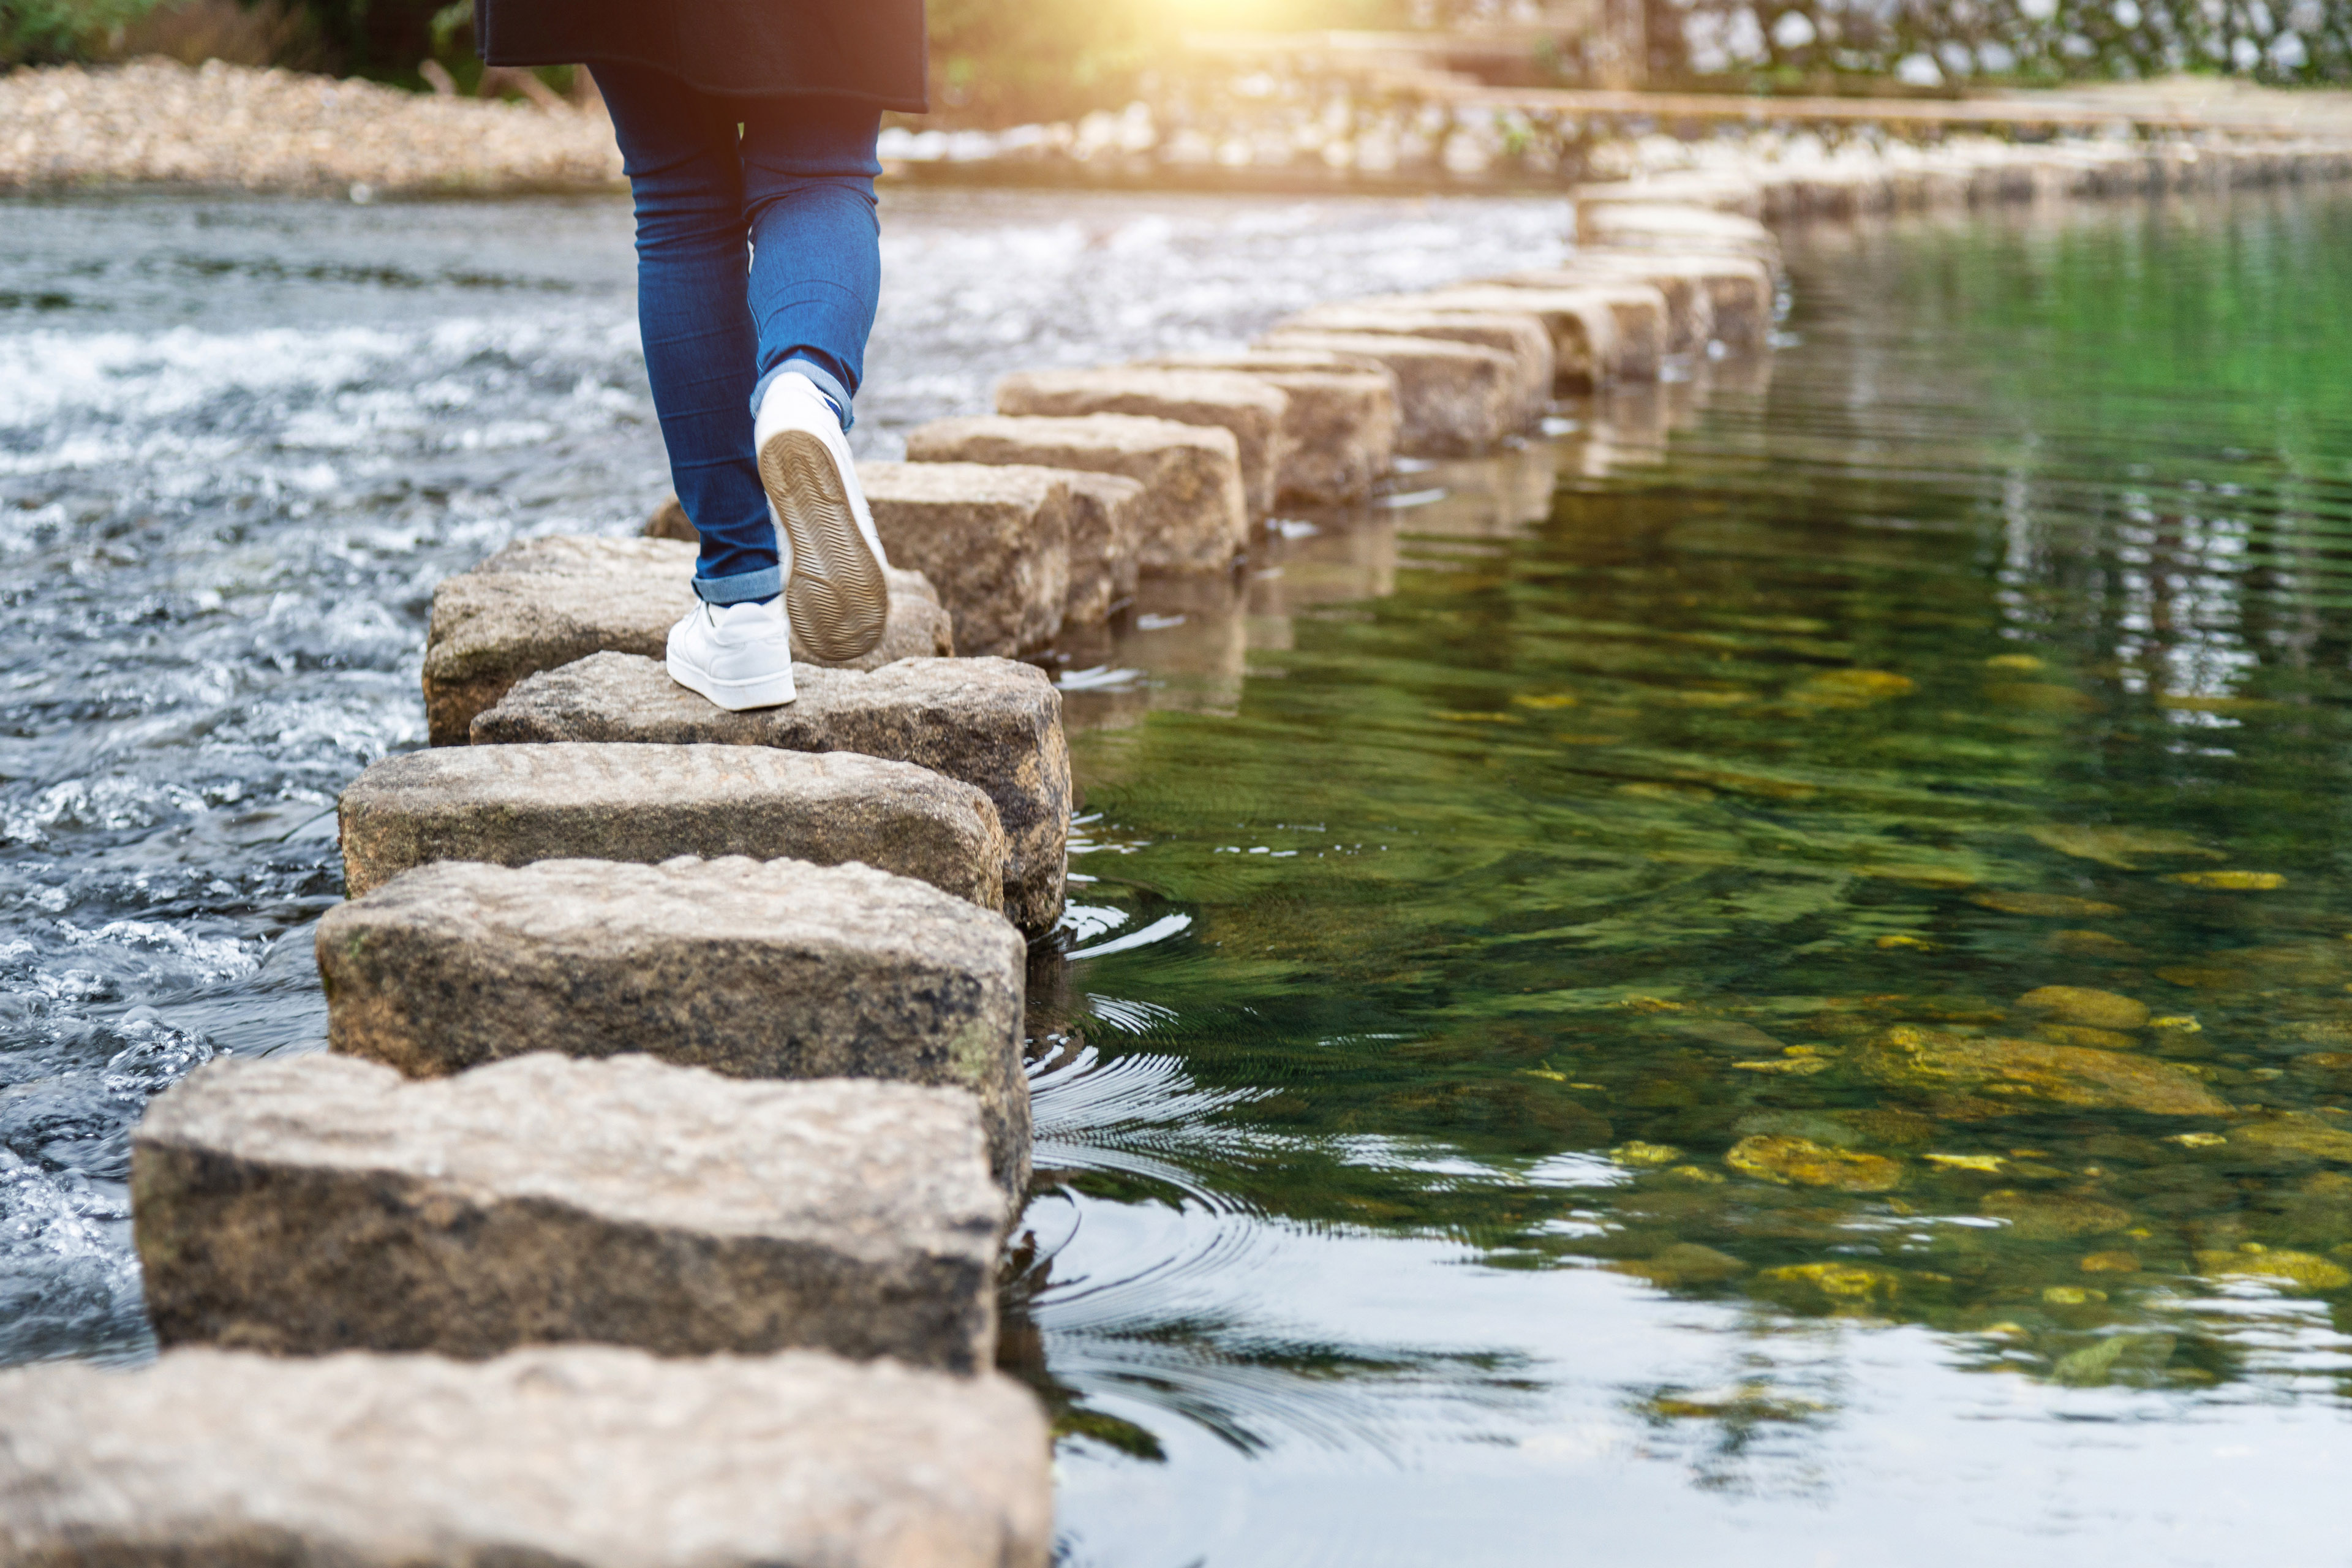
[(765, 583), (824, 380)]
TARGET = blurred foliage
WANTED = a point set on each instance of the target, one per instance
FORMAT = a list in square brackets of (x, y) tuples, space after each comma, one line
[(996, 62)]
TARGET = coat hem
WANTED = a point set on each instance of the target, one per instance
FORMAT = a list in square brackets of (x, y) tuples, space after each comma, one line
[(921, 105)]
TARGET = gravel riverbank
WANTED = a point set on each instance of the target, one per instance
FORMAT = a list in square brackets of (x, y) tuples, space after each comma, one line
[(155, 121)]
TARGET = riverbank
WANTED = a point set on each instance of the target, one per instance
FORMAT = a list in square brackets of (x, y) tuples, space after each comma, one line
[(155, 121)]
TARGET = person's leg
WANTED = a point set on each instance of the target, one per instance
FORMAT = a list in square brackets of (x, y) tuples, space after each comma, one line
[(680, 152), (817, 268)]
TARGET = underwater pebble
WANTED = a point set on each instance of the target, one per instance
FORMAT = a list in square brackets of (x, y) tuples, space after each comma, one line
[(1802, 1162), (2303, 1271), (2016, 903), (2229, 881), (2081, 1005)]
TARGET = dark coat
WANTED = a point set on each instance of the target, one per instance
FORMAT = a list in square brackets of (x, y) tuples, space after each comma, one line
[(871, 50)]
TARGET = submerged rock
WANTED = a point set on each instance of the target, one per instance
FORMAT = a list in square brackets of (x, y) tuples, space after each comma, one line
[(1851, 688), (2054, 1217), (2117, 846), (2084, 1006), (1684, 1263), (2303, 1271), (1801, 1162), (2230, 881), (2061, 1075), (1841, 1282), (2016, 903), (2306, 1137)]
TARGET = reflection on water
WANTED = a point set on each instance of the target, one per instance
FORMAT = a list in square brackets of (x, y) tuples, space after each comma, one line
[(1769, 972)]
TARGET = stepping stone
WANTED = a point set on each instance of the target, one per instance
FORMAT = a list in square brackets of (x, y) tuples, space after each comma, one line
[(1519, 334), (994, 540), (1671, 225), (1738, 288), (1453, 398), (510, 806), (1105, 511), (541, 602), (991, 722), (1690, 309), (1602, 333), (1582, 327), (1194, 513), (581, 1455), (1340, 430), (1254, 410), (774, 968), (315, 1204)]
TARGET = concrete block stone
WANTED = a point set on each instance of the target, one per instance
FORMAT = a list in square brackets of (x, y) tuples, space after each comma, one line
[(991, 722), (1105, 511), (1602, 333), (587, 1456), (1454, 398), (1690, 309), (774, 968), (1520, 334), (1194, 513), (1253, 409), (541, 602), (316, 1203), (1341, 426), (994, 540), (510, 806)]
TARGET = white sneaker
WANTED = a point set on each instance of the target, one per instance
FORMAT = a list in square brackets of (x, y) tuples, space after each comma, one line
[(834, 589), (738, 655)]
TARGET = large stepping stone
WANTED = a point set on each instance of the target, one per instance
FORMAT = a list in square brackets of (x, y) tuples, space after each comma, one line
[(541, 602), (1340, 429), (1672, 226), (994, 540), (1690, 309), (510, 806), (773, 969), (583, 1455), (1738, 288), (1254, 410), (1105, 511), (1454, 398), (1519, 334), (320, 1203), (991, 722), (1194, 513), (1599, 334)]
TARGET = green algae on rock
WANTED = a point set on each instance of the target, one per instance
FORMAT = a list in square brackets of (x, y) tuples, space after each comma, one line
[(2063, 1075), (1684, 1263), (1801, 1162), (2301, 1270), (2084, 1005), (2007, 903), (2034, 1216)]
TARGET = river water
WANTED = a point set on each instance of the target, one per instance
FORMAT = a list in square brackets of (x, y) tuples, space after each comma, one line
[(1554, 1059)]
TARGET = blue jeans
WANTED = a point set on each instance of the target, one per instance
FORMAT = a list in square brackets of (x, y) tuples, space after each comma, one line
[(794, 184)]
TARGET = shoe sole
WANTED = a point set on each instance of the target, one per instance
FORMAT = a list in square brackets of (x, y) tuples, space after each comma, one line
[(836, 596), (735, 695)]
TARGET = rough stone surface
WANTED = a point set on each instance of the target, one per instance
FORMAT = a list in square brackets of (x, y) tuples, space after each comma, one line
[(510, 806), (1519, 334), (1738, 288), (583, 1455), (1672, 226), (1603, 332), (1453, 398), (1690, 309), (994, 542), (991, 722), (315, 1204), (541, 602), (1253, 409), (775, 969), (1341, 426), (1105, 511), (1194, 513), (2033, 1069)]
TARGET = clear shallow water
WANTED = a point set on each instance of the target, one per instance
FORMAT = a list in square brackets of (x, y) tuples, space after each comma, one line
[(1471, 882)]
